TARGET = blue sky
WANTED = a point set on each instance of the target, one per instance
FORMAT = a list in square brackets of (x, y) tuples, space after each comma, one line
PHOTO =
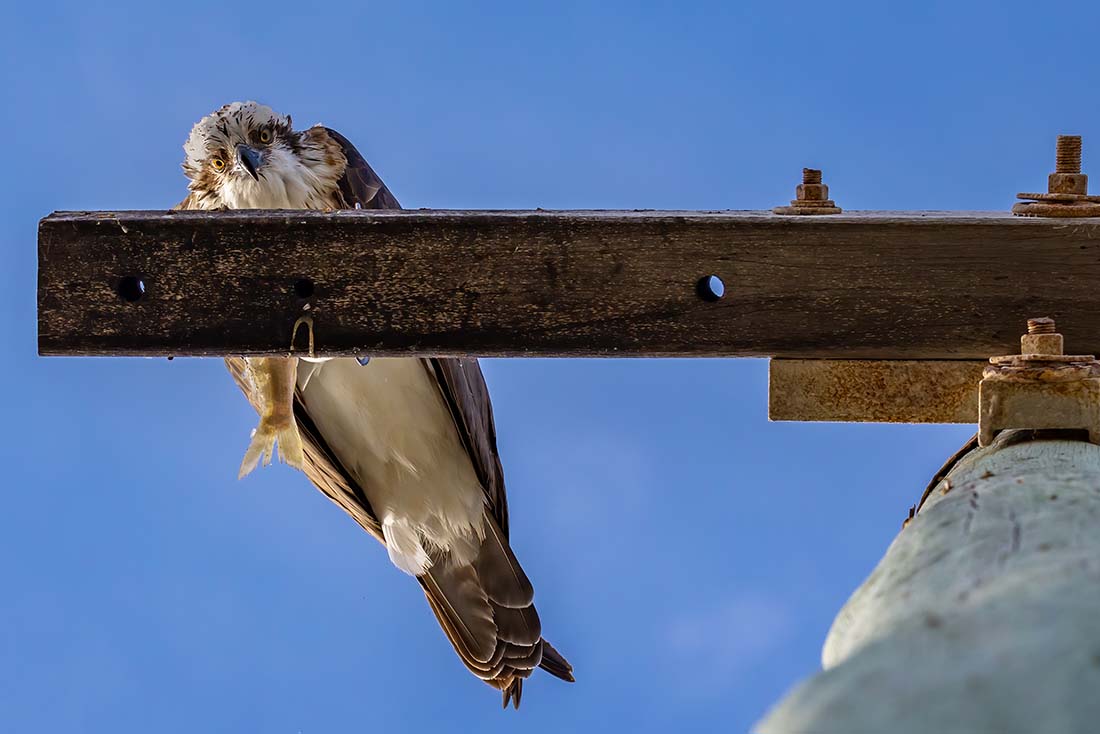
[(688, 555)]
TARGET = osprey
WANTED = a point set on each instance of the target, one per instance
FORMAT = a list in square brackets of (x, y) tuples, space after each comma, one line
[(407, 447)]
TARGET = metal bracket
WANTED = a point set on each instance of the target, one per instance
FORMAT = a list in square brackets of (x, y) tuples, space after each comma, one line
[(1039, 388)]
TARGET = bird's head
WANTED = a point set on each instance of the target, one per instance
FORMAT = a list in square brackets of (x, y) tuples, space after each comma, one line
[(246, 156)]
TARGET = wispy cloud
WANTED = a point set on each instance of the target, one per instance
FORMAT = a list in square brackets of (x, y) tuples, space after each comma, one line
[(597, 475), (730, 636)]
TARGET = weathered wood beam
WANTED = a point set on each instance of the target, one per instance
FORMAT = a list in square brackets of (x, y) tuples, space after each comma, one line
[(865, 285)]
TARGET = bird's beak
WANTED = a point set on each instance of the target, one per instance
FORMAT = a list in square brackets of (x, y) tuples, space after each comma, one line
[(250, 158)]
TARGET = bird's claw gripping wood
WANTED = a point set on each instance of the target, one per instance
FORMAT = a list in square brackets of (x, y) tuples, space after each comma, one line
[(273, 380)]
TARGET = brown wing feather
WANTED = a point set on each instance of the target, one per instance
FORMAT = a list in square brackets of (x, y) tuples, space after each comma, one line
[(360, 185), (485, 608), (463, 387)]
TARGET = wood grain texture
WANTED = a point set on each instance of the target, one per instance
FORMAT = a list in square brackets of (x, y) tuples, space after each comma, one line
[(984, 614), (864, 285)]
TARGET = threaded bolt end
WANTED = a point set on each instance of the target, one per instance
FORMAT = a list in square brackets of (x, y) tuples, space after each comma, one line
[(811, 176), (1040, 326), (1068, 157)]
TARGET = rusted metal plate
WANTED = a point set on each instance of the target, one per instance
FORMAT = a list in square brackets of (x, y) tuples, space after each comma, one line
[(874, 391)]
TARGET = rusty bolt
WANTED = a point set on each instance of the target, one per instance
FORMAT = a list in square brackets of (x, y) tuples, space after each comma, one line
[(811, 196), (1068, 154), (1067, 188), (1067, 177), (1040, 353), (1041, 338), (1042, 325), (811, 188)]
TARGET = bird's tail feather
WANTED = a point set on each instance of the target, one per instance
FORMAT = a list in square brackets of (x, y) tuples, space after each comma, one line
[(486, 609)]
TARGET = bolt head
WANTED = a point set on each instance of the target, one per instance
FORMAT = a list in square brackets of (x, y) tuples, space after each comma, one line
[(1068, 183), (812, 192), (1041, 344)]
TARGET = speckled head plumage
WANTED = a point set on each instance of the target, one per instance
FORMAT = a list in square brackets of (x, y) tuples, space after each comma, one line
[(247, 156)]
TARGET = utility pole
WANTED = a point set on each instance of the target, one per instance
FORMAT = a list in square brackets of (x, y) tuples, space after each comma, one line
[(983, 614)]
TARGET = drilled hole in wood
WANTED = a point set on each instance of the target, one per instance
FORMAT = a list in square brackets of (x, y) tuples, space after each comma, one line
[(131, 288), (303, 288), (710, 288)]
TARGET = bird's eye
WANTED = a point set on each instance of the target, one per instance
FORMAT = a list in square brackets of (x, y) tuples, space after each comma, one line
[(217, 163), (265, 136)]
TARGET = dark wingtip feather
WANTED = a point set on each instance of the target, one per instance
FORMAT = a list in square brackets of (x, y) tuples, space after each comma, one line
[(513, 692), (554, 664)]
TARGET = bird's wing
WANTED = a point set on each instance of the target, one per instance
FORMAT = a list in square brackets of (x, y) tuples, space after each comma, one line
[(360, 186), (467, 396)]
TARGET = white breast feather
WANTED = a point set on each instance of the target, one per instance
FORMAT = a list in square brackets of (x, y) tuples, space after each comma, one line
[(388, 425), (284, 184)]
